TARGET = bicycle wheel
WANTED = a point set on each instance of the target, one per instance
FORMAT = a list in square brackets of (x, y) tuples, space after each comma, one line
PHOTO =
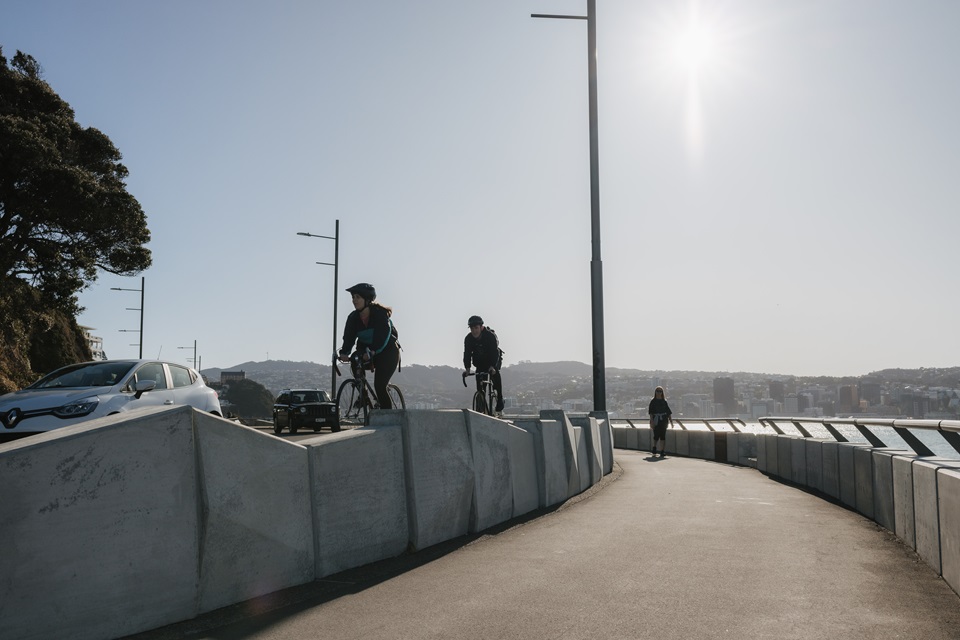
[(396, 397), (479, 402), (350, 405)]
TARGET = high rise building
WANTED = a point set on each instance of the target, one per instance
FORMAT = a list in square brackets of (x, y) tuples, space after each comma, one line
[(723, 394), (777, 390)]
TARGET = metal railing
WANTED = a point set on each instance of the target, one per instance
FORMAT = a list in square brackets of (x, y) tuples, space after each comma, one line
[(948, 429), (733, 423)]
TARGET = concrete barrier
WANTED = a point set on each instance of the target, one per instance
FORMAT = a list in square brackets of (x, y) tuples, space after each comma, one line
[(948, 496), (359, 497), (762, 463), (98, 520), (848, 473), (583, 462), (785, 457), (926, 506), (593, 446), (798, 461), (830, 453), (551, 463), (606, 440), (438, 467), (863, 480), (702, 444), (570, 449), (256, 533), (813, 458), (620, 437), (904, 523), (884, 492), (523, 471)]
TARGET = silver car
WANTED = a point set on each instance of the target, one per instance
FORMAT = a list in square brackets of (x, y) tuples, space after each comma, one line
[(89, 390)]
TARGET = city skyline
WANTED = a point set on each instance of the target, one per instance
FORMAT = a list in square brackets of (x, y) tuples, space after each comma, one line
[(777, 189)]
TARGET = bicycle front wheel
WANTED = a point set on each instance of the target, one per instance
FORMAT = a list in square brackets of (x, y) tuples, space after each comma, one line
[(479, 402), (396, 397), (492, 403), (350, 405)]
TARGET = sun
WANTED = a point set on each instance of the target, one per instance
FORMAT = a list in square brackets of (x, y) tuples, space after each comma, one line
[(695, 47)]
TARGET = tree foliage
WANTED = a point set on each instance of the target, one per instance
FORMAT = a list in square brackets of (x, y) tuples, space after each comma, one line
[(65, 212), (250, 399)]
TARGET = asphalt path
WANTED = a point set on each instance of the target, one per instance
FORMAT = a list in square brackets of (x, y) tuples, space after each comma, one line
[(672, 548)]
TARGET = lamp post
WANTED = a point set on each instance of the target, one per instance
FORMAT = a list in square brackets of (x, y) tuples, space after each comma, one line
[(336, 269), (596, 265), (194, 354), (141, 290)]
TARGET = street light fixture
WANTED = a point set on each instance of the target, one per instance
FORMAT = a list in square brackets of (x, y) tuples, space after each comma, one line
[(336, 269), (141, 290), (194, 355), (596, 266)]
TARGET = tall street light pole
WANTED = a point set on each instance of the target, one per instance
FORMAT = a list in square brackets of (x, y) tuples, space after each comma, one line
[(141, 290), (596, 266), (336, 269)]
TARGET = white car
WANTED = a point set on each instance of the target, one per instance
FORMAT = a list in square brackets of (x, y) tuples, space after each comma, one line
[(89, 390)]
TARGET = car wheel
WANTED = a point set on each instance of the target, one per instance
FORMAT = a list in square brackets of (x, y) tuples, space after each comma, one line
[(277, 429)]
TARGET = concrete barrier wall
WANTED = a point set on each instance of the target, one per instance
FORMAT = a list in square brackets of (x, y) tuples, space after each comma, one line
[(904, 525), (592, 445), (132, 522), (948, 496)]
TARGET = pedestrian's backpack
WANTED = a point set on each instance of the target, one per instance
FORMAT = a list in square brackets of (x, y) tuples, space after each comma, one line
[(499, 350)]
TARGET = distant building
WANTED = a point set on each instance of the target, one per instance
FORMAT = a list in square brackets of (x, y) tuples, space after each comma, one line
[(94, 342), (777, 390), (226, 377), (870, 391), (848, 400), (723, 394)]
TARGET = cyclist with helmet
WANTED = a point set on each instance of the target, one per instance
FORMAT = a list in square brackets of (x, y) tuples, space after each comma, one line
[(370, 327), (482, 348)]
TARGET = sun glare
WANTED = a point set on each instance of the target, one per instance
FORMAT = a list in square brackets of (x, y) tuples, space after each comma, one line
[(694, 47)]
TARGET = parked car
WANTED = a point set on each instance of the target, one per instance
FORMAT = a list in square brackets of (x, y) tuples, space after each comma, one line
[(89, 390), (297, 409)]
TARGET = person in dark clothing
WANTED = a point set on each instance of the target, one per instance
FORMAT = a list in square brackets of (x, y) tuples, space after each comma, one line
[(370, 327), (482, 348), (660, 415)]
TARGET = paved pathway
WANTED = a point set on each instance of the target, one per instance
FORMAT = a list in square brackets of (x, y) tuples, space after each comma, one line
[(674, 548)]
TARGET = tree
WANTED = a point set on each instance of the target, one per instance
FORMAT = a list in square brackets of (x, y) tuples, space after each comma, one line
[(251, 399), (65, 212)]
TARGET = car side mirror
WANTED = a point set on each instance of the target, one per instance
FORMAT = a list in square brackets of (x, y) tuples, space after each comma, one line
[(143, 386)]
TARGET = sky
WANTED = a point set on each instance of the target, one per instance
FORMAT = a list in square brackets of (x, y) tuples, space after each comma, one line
[(778, 180)]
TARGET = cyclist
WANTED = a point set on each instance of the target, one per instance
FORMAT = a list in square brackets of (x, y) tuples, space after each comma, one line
[(370, 327), (482, 347)]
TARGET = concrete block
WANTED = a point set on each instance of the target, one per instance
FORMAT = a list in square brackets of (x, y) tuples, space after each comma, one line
[(620, 437), (255, 507), (884, 493), (863, 480), (552, 467), (99, 522), (606, 439), (785, 457), (438, 468), (591, 439), (904, 525), (632, 438), (733, 448), (747, 450), (948, 495), (814, 463), (573, 468), (523, 471), (702, 444), (830, 452), (848, 474), (359, 497), (493, 485), (926, 508), (763, 464), (583, 462), (798, 461), (644, 439)]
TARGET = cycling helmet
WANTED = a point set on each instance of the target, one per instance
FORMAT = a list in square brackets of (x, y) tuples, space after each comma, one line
[(474, 320), (365, 290)]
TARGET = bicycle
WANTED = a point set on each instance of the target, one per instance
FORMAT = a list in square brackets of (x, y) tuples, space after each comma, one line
[(485, 398), (356, 397)]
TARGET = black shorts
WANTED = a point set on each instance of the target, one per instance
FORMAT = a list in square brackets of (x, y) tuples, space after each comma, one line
[(660, 429)]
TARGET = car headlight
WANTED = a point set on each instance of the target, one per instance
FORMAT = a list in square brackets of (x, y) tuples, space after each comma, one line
[(77, 408), (303, 409)]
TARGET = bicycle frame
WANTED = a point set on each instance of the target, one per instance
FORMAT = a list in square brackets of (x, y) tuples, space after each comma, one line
[(357, 397), (484, 400)]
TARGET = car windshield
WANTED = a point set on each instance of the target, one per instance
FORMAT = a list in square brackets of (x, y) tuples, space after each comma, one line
[(310, 396), (87, 374)]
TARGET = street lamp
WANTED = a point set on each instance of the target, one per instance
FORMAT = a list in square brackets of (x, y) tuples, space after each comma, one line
[(194, 355), (336, 269), (596, 266), (141, 290)]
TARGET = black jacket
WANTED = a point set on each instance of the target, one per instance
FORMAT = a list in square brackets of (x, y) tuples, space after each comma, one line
[(378, 334), (484, 351)]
